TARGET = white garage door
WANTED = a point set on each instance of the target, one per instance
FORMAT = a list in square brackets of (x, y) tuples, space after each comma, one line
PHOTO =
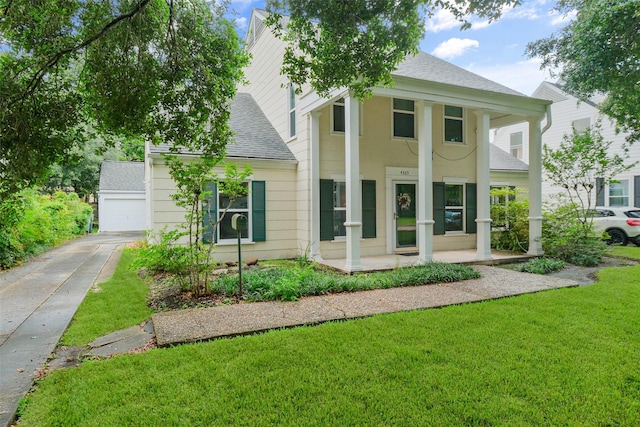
[(117, 214)]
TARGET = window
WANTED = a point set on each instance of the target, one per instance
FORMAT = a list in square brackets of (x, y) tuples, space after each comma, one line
[(333, 209), (454, 207), (292, 110), (500, 196), (337, 111), (619, 193), (403, 118), (581, 125), (252, 206), (339, 208), (453, 124), (516, 145)]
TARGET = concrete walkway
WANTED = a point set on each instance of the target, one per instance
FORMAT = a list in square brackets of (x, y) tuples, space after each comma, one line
[(38, 300), (180, 326)]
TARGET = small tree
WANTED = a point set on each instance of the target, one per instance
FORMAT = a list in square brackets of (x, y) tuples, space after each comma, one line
[(192, 179), (581, 158), (510, 223)]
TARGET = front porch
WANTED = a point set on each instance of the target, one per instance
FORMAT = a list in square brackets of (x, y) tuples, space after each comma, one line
[(391, 261)]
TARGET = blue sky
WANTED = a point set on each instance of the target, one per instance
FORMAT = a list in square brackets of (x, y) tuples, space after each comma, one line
[(495, 51)]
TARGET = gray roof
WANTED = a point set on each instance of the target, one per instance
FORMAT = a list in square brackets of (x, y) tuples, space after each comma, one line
[(427, 67), (255, 137), (503, 161), (122, 176)]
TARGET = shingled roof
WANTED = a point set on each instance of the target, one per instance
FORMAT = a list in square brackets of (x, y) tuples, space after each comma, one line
[(255, 137), (121, 176), (423, 66), (500, 160)]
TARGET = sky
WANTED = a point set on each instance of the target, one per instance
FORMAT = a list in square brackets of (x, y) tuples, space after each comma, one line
[(495, 51)]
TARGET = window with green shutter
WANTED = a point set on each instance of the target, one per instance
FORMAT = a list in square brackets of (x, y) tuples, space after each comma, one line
[(333, 209)]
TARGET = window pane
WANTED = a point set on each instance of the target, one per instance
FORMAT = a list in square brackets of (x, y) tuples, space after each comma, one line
[(452, 111), (239, 203), (402, 104), (292, 123), (619, 188), (339, 194), (339, 218), (453, 220), (453, 130), (226, 232), (403, 125), (292, 97), (338, 118), (453, 195)]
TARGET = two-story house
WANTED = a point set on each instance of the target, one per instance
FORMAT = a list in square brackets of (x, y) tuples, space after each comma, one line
[(407, 170), (569, 112)]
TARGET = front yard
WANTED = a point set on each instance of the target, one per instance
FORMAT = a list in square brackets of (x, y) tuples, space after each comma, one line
[(564, 357)]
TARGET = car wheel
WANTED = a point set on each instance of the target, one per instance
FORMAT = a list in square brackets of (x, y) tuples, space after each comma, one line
[(617, 237)]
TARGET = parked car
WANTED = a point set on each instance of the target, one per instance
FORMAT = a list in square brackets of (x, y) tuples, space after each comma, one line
[(622, 224)]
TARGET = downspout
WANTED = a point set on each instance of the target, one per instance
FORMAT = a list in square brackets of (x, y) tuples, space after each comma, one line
[(549, 121)]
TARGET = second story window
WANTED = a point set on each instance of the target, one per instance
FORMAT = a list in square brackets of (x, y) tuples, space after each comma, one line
[(291, 104), (403, 118), (581, 125), (515, 145), (453, 124), (338, 124)]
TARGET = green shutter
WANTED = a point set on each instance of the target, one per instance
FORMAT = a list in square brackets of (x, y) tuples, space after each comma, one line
[(512, 197), (368, 209), (599, 192), (438, 208), (259, 211), (210, 214), (326, 209), (471, 208), (636, 188)]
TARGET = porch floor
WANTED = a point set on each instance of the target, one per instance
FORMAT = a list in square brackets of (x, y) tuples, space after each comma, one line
[(391, 261)]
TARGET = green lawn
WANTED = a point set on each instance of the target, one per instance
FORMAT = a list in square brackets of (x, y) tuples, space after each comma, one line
[(630, 251), (116, 304), (564, 357)]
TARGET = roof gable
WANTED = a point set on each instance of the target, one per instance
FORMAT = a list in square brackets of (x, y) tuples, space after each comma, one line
[(503, 161)]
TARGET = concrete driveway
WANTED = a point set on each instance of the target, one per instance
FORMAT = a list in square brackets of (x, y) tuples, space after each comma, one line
[(38, 300)]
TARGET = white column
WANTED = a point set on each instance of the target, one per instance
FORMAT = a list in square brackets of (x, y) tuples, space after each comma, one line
[(353, 224), (535, 188), (483, 213), (425, 182), (314, 176)]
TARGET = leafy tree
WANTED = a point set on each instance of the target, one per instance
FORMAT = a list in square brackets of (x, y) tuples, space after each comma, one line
[(161, 69), (577, 162), (598, 52), (368, 39)]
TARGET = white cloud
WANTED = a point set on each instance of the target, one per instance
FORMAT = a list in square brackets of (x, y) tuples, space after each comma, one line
[(442, 20), (241, 23), (560, 19), (523, 76), (454, 47)]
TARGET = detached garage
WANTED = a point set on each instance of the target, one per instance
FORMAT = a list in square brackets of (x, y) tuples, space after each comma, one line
[(121, 197)]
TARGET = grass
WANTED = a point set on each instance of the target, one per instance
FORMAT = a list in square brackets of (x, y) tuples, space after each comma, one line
[(563, 357), (632, 252), (118, 303)]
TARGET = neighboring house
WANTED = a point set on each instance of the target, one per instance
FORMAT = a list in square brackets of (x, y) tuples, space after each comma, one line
[(121, 197), (568, 112), (408, 170)]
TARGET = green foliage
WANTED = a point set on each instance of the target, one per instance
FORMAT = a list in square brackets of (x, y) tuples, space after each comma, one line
[(31, 223), (542, 265), (565, 236), (289, 284), (368, 39), (578, 161), (598, 52), (116, 304), (160, 70), (566, 357), (164, 255), (510, 223)]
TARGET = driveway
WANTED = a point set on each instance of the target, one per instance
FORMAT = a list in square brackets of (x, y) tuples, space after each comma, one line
[(38, 300)]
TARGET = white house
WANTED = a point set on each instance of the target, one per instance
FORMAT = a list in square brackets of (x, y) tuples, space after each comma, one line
[(408, 170), (567, 112)]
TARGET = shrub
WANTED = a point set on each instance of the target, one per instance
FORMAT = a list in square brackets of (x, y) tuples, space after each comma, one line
[(166, 255), (566, 237), (510, 223), (542, 265)]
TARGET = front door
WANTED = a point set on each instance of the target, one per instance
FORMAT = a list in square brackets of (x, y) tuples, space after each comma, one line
[(404, 214)]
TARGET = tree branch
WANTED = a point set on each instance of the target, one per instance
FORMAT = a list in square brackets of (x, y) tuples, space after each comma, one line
[(51, 62)]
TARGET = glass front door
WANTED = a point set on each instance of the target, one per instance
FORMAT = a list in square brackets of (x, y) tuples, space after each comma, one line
[(405, 215)]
